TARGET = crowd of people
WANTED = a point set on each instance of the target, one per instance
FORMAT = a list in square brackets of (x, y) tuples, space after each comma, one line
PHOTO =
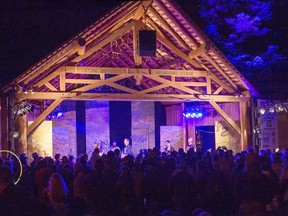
[(155, 183)]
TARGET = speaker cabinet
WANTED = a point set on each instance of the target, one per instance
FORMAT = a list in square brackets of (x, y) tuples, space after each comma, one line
[(147, 43)]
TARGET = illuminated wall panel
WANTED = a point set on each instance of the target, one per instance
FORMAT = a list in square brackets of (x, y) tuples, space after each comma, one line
[(143, 125), (97, 123), (41, 140)]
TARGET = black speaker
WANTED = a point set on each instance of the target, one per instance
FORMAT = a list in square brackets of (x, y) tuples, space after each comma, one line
[(147, 43)]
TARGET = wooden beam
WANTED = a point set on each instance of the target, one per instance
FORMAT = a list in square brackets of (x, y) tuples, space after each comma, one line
[(168, 28), (143, 71), (173, 84), (107, 40), (69, 48), (82, 81), (51, 87), (137, 58), (196, 84), (199, 51), (222, 98), (47, 78), (208, 80), (62, 82), (141, 10), (226, 117), (155, 88), (216, 79), (217, 67), (226, 62), (122, 88), (42, 116), (218, 90), (176, 22), (245, 124), (101, 82), (45, 65), (144, 95), (177, 51)]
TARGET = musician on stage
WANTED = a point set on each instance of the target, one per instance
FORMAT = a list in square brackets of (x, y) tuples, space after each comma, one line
[(114, 146), (191, 144), (127, 150), (168, 147)]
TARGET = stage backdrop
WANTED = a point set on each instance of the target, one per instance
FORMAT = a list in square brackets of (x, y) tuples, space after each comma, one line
[(226, 136), (41, 140), (172, 133), (143, 126), (97, 124)]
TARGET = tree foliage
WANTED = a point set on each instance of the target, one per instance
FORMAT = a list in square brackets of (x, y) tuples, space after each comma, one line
[(241, 28), (251, 33)]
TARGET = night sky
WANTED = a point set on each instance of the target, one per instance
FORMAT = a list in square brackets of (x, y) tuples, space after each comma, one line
[(31, 29)]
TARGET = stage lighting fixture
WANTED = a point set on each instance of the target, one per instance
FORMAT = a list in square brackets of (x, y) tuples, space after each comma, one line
[(279, 108), (57, 113), (194, 113), (271, 109), (262, 110), (24, 108)]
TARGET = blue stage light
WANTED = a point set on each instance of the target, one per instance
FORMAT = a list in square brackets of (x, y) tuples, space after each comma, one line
[(190, 112)]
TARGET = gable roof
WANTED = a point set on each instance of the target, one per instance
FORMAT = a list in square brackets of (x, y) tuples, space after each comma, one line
[(103, 60)]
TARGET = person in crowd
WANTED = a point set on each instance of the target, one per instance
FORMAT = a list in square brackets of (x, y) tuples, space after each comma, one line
[(57, 158), (252, 189), (183, 189), (33, 163), (99, 191), (125, 192), (58, 194), (152, 183), (95, 156), (14, 200), (78, 202)]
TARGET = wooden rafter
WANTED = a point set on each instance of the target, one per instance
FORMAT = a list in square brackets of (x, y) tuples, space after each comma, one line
[(42, 116), (177, 51), (137, 58), (168, 28), (216, 79), (226, 117), (199, 51), (141, 10), (107, 40), (173, 84), (125, 96), (176, 22), (219, 70)]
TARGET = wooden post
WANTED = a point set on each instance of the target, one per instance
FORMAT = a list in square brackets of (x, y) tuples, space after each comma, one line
[(245, 124), (4, 124), (21, 128), (184, 128)]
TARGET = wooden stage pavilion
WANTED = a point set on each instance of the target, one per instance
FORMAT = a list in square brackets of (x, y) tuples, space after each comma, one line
[(113, 60)]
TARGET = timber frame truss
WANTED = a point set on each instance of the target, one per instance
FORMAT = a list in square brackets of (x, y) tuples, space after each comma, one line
[(187, 66)]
